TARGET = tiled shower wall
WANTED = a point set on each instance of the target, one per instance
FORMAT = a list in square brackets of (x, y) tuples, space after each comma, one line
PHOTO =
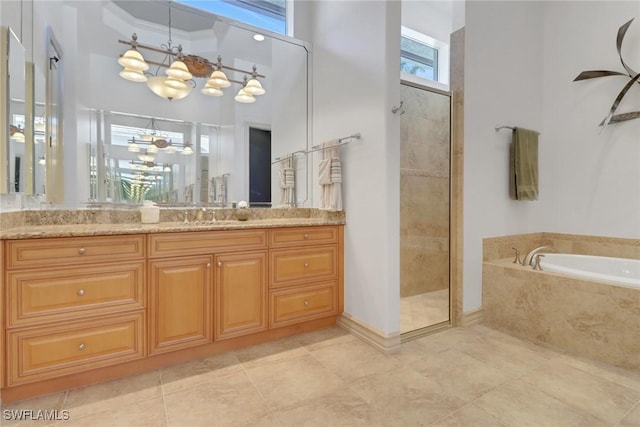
[(424, 191)]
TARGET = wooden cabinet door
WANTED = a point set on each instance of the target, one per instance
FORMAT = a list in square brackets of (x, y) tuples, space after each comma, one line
[(180, 303), (240, 294)]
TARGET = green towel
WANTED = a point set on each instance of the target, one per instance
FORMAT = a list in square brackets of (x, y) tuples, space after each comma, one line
[(523, 164)]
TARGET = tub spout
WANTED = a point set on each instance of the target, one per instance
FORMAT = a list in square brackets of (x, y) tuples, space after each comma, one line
[(529, 259)]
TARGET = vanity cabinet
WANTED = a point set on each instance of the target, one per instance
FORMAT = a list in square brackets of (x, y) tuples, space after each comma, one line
[(240, 294), (73, 304), (85, 309), (180, 309)]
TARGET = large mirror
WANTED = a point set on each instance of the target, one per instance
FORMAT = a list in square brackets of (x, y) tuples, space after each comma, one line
[(14, 174), (124, 143)]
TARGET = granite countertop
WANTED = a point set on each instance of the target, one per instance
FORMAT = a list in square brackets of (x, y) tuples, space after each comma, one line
[(70, 230)]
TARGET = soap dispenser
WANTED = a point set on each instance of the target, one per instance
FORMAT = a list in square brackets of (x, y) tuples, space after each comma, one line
[(149, 212)]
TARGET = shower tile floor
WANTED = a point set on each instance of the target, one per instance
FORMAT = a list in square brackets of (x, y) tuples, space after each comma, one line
[(419, 311), (471, 376)]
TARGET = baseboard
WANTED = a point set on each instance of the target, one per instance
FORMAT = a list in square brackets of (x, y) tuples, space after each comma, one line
[(383, 342), (474, 317)]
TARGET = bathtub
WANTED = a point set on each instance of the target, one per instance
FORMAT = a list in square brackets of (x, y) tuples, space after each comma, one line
[(619, 271)]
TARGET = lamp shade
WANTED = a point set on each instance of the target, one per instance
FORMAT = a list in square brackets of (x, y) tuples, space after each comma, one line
[(133, 60), (133, 75), (219, 79), (254, 87), (133, 148), (178, 70), (244, 97), (211, 90), (157, 86), (187, 150), (174, 83)]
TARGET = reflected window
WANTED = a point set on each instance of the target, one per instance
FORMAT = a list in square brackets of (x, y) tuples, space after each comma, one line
[(423, 56), (270, 15)]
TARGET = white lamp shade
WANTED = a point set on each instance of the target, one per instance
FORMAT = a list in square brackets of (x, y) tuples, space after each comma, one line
[(187, 150), (219, 79), (211, 90), (152, 149), (133, 148), (167, 169), (133, 75), (174, 83), (18, 137), (133, 60), (157, 86), (170, 149), (253, 87), (244, 97), (178, 70)]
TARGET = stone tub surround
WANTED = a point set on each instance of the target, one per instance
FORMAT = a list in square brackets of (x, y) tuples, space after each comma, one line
[(495, 248), (91, 222), (582, 317)]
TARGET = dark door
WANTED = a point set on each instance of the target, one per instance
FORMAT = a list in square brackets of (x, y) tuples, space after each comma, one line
[(259, 167)]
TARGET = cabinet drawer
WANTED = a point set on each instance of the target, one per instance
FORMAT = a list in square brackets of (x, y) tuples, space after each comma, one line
[(296, 305), (37, 296), (36, 354), (300, 236), (206, 242), (303, 266), (73, 250)]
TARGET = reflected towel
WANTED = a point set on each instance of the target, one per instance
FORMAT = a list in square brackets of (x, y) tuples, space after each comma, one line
[(336, 170), (523, 156), (324, 172)]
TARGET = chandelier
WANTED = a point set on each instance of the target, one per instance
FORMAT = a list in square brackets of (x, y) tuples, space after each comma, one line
[(180, 69), (147, 149)]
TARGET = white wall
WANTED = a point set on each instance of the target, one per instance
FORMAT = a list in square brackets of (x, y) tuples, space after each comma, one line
[(596, 176), (356, 82), (503, 85), (520, 62)]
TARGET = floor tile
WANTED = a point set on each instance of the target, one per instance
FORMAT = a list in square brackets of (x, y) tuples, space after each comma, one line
[(419, 311), (469, 415), (288, 382), (404, 397), (519, 404), (148, 413), (632, 419), (459, 374), (113, 394), (284, 348), (619, 376), (226, 400), (606, 400), (342, 408), (324, 337), (196, 372), (339, 359)]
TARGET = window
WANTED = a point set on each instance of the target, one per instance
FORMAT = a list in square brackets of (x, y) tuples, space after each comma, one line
[(424, 57), (267, 14), (418, 59)]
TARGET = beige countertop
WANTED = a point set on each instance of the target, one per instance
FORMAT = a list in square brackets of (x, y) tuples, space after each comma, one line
[(70, 230)]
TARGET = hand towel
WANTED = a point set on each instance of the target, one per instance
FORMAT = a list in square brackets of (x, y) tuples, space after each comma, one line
[(523, 155), (330, 177), (287, 181)]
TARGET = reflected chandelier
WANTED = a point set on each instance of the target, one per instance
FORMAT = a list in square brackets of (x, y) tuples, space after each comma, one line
[(180, 70)]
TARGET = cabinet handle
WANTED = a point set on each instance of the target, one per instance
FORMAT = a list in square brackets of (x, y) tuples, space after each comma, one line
[(306, 236), (81, 347), (306, 303), (82, 251), (208, 265), (80, 292), (306, 265), (219, 263)]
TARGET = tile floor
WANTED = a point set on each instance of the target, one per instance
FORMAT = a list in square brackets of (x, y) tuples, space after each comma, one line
[(420, 311), (460, 377)]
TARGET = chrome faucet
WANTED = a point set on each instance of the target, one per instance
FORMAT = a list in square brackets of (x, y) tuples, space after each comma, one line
[(528, 260)]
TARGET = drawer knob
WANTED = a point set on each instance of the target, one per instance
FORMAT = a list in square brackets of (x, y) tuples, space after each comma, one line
[(306, 236), (82, 251), (219, 263), (80, 292), (306, 303), (81, 347), (306, 265), (208, 265)]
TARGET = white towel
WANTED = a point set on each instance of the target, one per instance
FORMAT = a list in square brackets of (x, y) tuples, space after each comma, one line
[(330, 177), (287, 181)]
